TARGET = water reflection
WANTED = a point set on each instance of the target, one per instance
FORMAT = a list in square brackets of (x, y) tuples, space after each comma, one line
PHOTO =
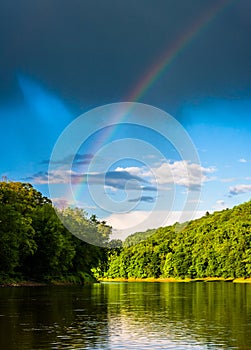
[(127, 316), (199, 315), (52, 318)]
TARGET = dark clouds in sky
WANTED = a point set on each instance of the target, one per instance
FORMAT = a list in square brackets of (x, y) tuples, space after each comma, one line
[(92, 52), (78, 160), (119, 180)]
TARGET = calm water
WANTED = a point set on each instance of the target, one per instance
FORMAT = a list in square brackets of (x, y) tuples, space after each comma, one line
[(127, 316)]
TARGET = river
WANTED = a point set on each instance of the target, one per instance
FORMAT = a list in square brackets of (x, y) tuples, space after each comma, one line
[(202, 315)]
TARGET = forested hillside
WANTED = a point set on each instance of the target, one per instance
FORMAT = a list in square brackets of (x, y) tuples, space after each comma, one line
[(34, 244), (216, 245)]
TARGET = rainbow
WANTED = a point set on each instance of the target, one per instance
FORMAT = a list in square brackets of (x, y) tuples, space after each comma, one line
[(160, 67), (164, 62), (168, 57)]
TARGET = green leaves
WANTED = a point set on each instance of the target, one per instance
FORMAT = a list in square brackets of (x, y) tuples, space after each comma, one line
[(34, 243), (217, 245)]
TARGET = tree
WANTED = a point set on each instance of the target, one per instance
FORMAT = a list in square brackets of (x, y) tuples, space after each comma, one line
[(36, 241), (216, 245)]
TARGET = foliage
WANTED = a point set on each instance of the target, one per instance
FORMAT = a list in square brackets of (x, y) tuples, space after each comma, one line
[(35, 245), (217, 245), (137, 237)]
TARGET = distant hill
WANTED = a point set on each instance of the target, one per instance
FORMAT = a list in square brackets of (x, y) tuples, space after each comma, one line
[(216, 245), (137, 237)]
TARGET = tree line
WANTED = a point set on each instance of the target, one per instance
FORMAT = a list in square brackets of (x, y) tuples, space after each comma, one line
[(35, 245), (216, 245)]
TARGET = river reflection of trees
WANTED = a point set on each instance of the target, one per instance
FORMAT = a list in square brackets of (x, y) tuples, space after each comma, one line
[(126, 316), (52, 318), (210, 314)]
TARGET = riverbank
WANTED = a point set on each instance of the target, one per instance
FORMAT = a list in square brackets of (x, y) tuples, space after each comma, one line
[(150, 279), (22, 284), (171, 280), (43, 284)]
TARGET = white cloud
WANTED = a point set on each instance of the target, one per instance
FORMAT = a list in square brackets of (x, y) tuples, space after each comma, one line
[(239, 189), (243, 160), (146, 173), (119, 179), (183, 173), (125, 224), (220, 205), (59, 176), (134, 170)]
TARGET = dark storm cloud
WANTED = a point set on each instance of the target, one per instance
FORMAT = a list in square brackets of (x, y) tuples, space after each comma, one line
[(92, 52)]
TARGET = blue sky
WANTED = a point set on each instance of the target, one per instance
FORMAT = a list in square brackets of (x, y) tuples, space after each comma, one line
[(138, 171)]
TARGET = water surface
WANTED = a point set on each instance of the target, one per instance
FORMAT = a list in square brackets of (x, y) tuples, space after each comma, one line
[(127, 316)]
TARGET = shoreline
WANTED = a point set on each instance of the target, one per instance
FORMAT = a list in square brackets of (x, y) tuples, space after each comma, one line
[(42, 284), (22, 284), (127, 280), (172, 280)]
